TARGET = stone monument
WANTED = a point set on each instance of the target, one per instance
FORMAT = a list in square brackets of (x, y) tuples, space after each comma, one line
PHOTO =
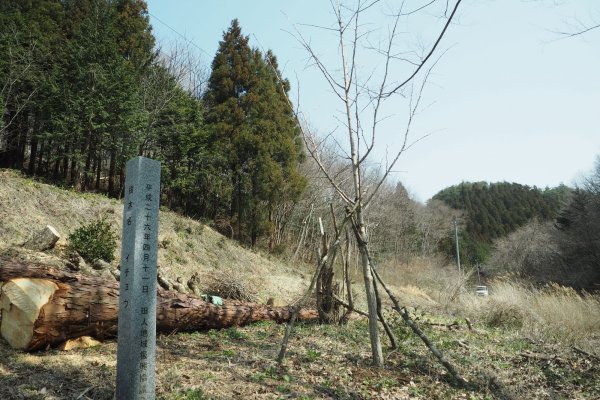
[(136, 350)]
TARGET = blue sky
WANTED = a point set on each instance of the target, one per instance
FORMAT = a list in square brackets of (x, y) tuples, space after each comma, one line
[(509, 101)]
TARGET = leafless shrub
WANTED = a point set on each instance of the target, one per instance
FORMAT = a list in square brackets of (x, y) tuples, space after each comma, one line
[(530, 252), (449, 296)]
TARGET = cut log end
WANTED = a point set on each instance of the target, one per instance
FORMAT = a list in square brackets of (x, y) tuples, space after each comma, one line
[(21, 300)]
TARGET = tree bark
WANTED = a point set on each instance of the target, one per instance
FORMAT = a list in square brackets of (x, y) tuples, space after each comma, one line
[(44, 306), (348, 281), (376, 350)]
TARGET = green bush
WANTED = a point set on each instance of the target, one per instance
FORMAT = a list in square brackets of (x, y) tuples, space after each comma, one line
[(94, 241)]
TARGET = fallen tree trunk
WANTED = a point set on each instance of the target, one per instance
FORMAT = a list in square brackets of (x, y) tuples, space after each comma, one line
[(42, 306)]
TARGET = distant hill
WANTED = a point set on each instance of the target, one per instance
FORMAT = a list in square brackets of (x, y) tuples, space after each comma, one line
[(493, 210), (497, 209)]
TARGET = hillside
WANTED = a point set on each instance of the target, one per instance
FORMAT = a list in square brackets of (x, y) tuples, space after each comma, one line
[(185, 246), (497, 209), (525, 343)]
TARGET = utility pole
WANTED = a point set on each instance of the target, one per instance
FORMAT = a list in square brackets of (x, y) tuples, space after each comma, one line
[(456, 237)]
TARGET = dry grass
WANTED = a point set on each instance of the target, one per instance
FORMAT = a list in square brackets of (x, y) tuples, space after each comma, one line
[(185, 246), (426, 283), (567, 315), (552, 313), (555, 314)]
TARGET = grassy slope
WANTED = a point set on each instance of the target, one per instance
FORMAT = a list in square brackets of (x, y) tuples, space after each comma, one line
[(185, 246), (512, 360)]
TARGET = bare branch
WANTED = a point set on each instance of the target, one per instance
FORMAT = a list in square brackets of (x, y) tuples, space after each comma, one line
[(579, 32), (379, 97), (405, 145), (335, 86), (359, 9), (18, 66), (191, 42), (310, 144), (313, 151), (424, 6), (18, 111), (319, 27), (437, 42)]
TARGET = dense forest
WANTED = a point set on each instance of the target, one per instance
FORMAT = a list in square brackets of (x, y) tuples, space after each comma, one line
[(494, 210), (84, 87)]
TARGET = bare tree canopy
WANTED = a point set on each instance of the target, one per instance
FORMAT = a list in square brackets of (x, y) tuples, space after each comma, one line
[(364, 93)]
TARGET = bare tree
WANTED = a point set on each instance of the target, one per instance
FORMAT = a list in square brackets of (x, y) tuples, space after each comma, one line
[(432, 224), (531, 252), (179, 68), (365, 97), (391, 223)]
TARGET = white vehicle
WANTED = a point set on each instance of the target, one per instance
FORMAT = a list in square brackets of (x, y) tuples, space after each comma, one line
[(482, 291)]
